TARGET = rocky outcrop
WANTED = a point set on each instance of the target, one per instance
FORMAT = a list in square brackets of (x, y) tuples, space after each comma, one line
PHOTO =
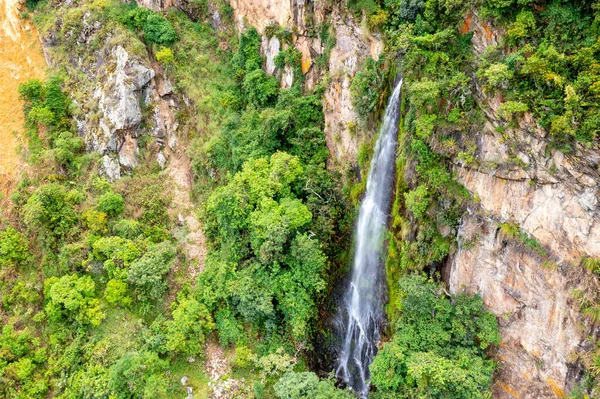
[(552, 197), (118, 97), (540, 323), (120, 93), (127, 88), (352, 46)]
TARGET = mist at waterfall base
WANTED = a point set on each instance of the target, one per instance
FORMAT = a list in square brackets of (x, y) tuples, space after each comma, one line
[(361, 313)]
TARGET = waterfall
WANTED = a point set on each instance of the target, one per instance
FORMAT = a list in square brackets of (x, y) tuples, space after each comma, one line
[(361, 312)]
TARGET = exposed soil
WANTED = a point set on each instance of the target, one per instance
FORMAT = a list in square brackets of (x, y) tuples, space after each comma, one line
[(21, 58)]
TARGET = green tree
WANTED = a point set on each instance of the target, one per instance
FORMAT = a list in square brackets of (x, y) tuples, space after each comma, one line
[(14, 248), (260, 90), (72, 297), (439, 346), (138, 375), (186, 332), (111, 203), (307, 385), (147, 272), (50, 212)]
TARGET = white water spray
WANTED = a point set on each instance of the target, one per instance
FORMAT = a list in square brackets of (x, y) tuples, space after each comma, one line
[(361, 313)]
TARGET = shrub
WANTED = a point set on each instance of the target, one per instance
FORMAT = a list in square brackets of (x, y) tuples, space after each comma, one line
[(260, 90), (72, 297), (165, 56), (111, 203), (417, 201), (158, 30), (116, 293), (147, 272), (307, 385), (511, 108), (186, 333), (438, 349), (49, 212), (366, 88), (14, 249)]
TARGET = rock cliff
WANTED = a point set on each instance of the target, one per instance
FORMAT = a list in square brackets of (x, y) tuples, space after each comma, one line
[(128, 91), (552, 198), (353, 44), (516, 179)]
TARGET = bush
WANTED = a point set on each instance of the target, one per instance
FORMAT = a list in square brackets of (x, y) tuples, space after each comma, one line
[(165, 56), (307, 385), (49, 212), (366, 88), (111, 203), (147, 272), (417, 201), (159, 31), (156, 28), (72, 297), (438, 348), (14, 249), (116, 293), (260, 90)]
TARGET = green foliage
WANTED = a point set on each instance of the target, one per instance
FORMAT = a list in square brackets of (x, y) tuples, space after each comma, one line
[(307, 385), (14, 248), (20, 361), (186, 332), (510, 108), (50, 213), (261, 90), (247, 58), (116, 293), (417, 201), (257, 219), (367, 87), (111, 203), (158, 30), (155, 27), (552, 73), (438, 348), (73, 298), (404, 10), (138, 375), (165, 56), (147, 272)]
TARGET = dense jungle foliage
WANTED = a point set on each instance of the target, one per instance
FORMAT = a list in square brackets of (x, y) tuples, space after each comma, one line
[(97, 297)]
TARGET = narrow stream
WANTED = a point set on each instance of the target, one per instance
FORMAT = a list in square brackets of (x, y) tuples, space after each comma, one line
[(361, 312)]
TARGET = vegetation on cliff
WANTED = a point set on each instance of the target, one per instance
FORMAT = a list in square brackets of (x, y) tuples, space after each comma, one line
[(98, 299)]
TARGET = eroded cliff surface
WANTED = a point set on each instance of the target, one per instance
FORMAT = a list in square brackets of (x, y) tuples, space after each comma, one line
[(527, 277), (21, 58)]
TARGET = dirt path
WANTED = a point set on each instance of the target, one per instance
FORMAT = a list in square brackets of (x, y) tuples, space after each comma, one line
[(180, 171), (21, 58)]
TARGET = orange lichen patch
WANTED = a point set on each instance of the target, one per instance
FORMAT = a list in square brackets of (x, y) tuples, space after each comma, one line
[(21, 58), (526, 376), (488, 31), (508, 389), (466, 27), (556, 389), (306, 63)]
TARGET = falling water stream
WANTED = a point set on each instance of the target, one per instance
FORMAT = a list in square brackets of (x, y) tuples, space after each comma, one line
[(361, 312)]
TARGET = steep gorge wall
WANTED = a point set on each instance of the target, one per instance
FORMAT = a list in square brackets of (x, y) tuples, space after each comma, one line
[(353, 44), (553, 197)]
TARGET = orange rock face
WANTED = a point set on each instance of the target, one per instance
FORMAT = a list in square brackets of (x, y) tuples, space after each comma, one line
[(21, 59)]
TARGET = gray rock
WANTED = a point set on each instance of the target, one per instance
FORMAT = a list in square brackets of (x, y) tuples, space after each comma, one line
[(110, 169), (162, 161), (119, 98)]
